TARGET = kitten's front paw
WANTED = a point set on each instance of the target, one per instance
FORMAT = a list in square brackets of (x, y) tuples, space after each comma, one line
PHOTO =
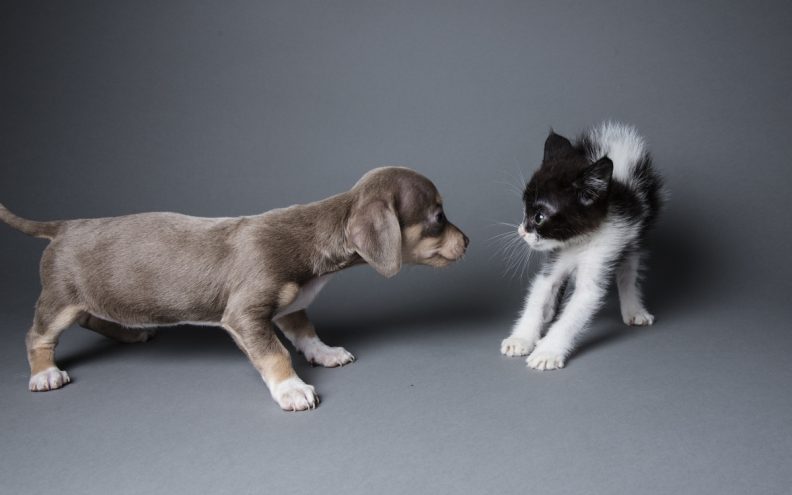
[(515, 346), (638, 318), (543, 359)]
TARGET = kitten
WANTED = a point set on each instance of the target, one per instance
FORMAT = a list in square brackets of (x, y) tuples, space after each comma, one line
[(590, 205)]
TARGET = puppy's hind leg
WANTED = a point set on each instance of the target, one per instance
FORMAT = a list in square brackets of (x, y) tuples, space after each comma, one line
[(632, 307), (114, 330), (301, 332), (50, 321)]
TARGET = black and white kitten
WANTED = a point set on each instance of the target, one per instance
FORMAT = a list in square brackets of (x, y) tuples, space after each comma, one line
[(590, 205)]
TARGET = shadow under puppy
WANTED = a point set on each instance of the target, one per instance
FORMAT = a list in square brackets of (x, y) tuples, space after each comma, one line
[(118, 276)]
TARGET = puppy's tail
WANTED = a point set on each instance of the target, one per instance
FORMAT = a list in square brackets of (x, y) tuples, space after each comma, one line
[(45, 230)]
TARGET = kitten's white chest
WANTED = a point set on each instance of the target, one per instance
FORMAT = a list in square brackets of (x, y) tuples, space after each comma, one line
[(305, 296)]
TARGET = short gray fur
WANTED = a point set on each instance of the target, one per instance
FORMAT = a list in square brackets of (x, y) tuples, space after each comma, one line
[(236, 108)]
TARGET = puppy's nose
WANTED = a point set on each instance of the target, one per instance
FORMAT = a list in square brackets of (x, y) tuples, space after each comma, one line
[(466, 239)]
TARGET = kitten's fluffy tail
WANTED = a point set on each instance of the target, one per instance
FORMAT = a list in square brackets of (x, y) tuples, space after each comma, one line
[(619, 142), (45, 230), (632, 163)]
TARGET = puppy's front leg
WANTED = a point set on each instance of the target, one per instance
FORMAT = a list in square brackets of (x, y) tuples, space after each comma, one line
[(301, 332), (255, 335)]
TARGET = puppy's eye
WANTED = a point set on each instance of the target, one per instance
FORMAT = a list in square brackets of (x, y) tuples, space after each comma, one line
[(539, 218), (440, 217)]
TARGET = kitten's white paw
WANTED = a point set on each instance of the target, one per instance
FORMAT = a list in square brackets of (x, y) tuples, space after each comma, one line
[(326, 356), (639, 318), (515, 346), (546, 359), (294, 394), (49, 379)]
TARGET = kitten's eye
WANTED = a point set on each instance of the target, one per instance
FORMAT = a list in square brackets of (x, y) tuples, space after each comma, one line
[(539, 218), (440, 218)]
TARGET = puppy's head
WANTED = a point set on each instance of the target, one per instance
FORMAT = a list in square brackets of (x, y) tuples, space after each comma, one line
[(397, 217)]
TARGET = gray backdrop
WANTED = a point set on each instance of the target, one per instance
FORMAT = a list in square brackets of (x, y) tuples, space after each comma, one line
[(231, 108)]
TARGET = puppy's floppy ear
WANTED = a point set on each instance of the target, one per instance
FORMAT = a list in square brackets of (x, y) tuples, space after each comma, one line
[(594, 181), (555, 146), (374, 231)]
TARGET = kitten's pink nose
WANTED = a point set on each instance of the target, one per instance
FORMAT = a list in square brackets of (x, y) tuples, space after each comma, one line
[(521, 230)]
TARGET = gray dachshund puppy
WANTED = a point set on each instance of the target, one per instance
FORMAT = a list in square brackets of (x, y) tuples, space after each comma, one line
[(122, 276)]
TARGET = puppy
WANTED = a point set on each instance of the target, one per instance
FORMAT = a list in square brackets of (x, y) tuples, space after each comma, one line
[(122, 276)]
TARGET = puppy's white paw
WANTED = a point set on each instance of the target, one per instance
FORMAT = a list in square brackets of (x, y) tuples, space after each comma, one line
[(329, 357), (294, 394), (49, 379), (515, 346), (319, 353), (638, 318), (543, 358)]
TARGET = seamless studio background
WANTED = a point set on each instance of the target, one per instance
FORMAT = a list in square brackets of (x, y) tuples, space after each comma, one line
[(234, 108)]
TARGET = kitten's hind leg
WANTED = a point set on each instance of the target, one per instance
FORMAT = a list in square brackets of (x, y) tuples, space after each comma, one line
[(114, 330), (627, 278)]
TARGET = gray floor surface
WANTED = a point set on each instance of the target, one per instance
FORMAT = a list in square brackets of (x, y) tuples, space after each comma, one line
[(699, 403)]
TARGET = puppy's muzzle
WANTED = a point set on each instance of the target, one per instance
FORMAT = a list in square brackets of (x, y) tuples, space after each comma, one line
[(459, 246)]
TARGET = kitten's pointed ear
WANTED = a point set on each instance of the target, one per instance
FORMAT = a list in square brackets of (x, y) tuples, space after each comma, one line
[(594, 181), (555, 146)]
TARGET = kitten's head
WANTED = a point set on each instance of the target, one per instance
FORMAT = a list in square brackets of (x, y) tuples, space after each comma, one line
[(566, 198)]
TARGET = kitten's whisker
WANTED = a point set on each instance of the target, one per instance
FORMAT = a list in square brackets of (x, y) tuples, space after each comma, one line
[(522, 257), (524, 272), (514, 254), (523, 181), (503, 235), (499, 237), (497, 223), (515, 189), (518, 175), (508, 248), (512, 247), (505, 250), (507, 224)]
